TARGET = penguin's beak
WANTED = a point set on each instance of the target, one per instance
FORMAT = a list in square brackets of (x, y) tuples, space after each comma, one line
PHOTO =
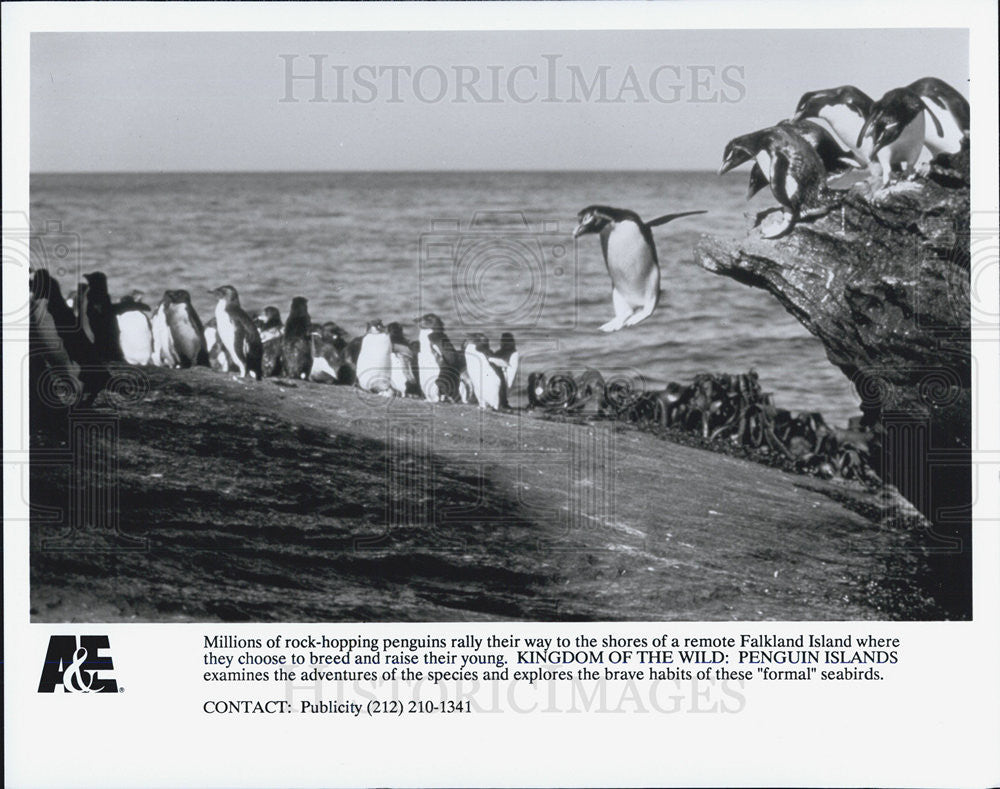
[(579, 230)]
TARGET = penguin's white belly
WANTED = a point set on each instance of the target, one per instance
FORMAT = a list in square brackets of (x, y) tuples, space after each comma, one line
[(906, 147), (511, 372), (763, 159), (402, 370), (950, 141), (227, 331), (630, 262), (163, 340), (135, 336), (846, 124), (485, 380), (375, 363)]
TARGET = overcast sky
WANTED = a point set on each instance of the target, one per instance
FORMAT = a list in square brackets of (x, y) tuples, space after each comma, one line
[(460, 101)]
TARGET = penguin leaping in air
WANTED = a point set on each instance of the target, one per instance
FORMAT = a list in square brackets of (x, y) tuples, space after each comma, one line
[(630, 255)]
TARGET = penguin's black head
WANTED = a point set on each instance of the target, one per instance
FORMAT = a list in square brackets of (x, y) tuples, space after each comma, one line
[(593, 219), (98, 282), (739, 150), (332, 330), (479, 341), (376, 327), (396, 333), (181, 296), (227, 293), (812, 103), (300, 306), (507, 342), (43, 285), (270, 318), (430, 321), (889, 116)]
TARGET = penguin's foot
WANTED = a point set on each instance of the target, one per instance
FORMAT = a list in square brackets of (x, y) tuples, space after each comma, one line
[(637, 317), (615, 323), (779, 228)]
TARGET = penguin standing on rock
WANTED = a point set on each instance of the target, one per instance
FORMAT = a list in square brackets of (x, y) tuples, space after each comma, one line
[(270, 326), (845, 109), (135, 334), (440, 365), (793, 169), (630, 256), (100, 317), (218, 359), (508, 352), (164, 352), (296, 342), (895, 129), (186, 329), (375, 361), (404, 361), (948, 112), (237, 332), (486, 372)]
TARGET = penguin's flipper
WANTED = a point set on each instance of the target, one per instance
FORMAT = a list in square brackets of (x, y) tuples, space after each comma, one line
[(932, 111), (662, 220), (780, 179), (757, 181)]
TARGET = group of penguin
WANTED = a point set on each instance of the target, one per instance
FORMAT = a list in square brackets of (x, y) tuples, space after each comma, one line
[(837, 130), (832, 133), (381, 360)]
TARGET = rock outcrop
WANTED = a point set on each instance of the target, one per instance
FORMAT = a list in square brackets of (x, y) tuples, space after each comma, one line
[(883, 281)]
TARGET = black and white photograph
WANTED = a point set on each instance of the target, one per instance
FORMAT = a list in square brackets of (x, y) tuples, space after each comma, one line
[(647, 325)]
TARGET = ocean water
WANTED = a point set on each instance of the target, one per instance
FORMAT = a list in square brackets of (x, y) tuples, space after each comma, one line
[(486, 251)]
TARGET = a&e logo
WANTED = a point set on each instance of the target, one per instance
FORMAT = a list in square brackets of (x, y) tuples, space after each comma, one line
[(74, 666)]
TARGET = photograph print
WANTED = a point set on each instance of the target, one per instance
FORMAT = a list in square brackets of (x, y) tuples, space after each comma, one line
[(643, 325)]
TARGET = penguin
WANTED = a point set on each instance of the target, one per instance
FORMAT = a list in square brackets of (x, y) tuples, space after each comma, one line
[(218, 358), (100, 317), (404, 361), (60, 341), (375, 361), (186, 329), (948, 112), (895, 129), (844, 109), (837, 159), (164, 352), (486, 372), (135, 334), (793, 170), (326, 360), (440, 365), (296, 345), (270, 326), (329, 360), (630, 257), (335, 335), (508, 352), (76, 343), (238, 334)]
